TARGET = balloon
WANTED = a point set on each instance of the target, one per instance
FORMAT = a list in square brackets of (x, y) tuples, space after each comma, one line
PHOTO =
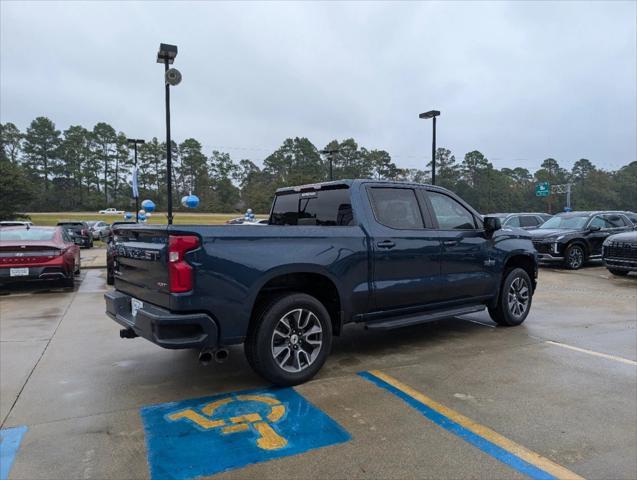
[(128, 216), (142, 212), (148, 205), (190, 201)]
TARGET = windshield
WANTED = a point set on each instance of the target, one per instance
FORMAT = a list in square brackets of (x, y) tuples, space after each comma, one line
[(565, 222), (32, 234)]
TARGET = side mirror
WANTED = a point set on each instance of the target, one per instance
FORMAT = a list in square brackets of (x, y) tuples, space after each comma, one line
[(491, 224), (594, 228)]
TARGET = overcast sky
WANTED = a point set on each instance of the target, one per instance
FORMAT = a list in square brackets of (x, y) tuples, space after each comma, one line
[(518, 81)]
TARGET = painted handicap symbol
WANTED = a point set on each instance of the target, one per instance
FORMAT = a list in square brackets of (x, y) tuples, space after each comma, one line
[(268, 438), (199, 437)]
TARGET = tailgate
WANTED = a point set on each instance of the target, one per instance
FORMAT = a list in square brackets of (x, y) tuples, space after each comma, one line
[(140, 263)]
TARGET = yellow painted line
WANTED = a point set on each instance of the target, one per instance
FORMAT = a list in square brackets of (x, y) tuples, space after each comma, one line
[(516, 449), (596, 354)]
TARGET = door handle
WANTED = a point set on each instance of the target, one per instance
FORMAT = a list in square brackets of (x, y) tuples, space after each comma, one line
[(386, 244), (450, 243)]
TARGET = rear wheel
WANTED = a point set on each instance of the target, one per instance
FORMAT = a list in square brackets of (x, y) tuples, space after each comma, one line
[(110, 276), (290, 340), (574, 257), (619, 273), (514, 302)]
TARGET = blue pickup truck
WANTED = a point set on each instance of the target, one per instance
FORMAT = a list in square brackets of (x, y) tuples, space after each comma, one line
[(385, 254)]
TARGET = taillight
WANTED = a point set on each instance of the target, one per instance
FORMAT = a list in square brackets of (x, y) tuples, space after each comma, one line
[(179, 271)]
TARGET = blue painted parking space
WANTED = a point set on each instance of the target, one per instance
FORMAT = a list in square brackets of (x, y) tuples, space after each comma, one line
[(209, 435), (10, 439)]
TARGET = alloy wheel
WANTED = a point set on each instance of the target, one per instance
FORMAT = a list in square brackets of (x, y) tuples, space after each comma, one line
[(575, 257), (518, 297), (297, 340)]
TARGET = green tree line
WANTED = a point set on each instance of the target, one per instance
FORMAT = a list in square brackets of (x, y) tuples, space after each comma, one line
[(45, 169)]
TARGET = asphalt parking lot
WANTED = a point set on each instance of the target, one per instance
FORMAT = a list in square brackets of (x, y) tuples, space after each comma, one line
[(430, 401)]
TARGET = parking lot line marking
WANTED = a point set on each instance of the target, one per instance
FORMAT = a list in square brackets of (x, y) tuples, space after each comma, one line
[(501, 448), (592, 352), (10, 439)]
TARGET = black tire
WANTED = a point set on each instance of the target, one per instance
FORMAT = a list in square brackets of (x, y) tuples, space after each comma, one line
[(260, 344), (110, 276), (574, 256), (619, 273), (77, 268), (507, 312), (90, 245)]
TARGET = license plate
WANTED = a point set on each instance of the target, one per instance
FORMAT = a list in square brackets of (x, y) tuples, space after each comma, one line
[(135, 305), (18, 272)]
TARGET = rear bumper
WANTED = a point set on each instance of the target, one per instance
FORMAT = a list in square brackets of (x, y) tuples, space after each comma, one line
[(621, 264), (53, 272), (160, 326)]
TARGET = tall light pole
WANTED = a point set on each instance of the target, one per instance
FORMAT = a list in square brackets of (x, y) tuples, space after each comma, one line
[(330, 153), (166, 55), (432, 114), (134, 142)]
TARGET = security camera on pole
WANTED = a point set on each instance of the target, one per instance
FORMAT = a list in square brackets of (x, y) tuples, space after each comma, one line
[(172, 76)]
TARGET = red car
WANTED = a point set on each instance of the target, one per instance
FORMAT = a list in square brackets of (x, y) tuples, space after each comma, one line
[(38, 253)]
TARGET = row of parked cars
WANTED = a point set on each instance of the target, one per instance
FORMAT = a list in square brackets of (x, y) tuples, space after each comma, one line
[(572, 238), (29, 252)]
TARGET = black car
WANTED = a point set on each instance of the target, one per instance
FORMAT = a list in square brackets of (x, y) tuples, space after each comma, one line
[(619, 253), (80, 232), (527, 221), (573, 238)]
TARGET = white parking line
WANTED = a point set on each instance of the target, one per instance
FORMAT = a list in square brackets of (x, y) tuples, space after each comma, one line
[(597, 354)]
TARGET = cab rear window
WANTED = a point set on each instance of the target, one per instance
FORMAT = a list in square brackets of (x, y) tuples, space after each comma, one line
[(317, 207)]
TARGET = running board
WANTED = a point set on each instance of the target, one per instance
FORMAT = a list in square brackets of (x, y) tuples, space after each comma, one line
[(399, 322)]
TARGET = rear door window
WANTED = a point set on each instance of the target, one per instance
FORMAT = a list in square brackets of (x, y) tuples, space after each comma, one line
[(614, 221), (529, 221), (323, 207), (396, 208)]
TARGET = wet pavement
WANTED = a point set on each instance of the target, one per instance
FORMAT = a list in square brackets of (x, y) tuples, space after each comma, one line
[(560, 392)]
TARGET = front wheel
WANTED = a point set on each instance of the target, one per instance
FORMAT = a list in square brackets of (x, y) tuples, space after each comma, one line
[(574, 257), (514, 302), (290, 340)]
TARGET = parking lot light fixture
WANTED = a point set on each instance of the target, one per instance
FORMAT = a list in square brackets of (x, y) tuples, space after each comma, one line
[(166, 55), (432, 114)]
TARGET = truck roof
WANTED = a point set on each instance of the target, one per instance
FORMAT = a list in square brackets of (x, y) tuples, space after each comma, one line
[(344, 183)]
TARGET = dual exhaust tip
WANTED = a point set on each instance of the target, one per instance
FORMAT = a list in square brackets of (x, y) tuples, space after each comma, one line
[(207, 356)]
